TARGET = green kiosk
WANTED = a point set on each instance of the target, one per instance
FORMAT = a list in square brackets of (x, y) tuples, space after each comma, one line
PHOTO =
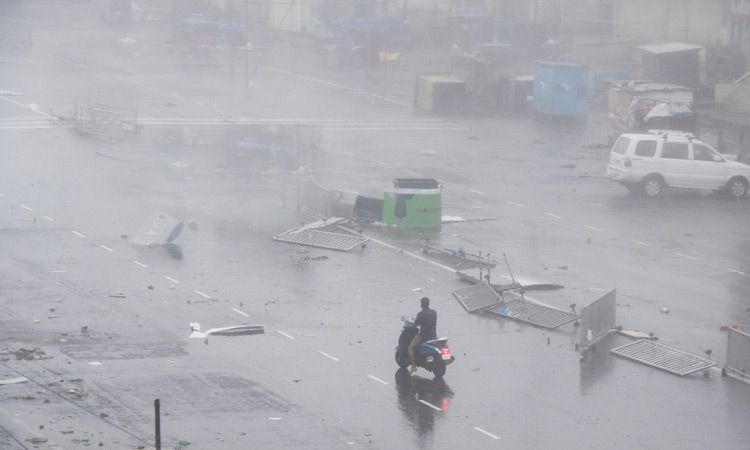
[(413, 202)]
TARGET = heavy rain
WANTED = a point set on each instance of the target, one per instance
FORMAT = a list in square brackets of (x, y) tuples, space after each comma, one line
[(219, 219)]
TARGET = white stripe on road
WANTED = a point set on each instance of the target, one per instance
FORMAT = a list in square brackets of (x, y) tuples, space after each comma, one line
[(241, 312), (514, 203), (177, 96), (378, 162), (639, 242), (106, 248), (48, 218), (286, 335), (348, 153), (553, 215), (220, 111), (378, 380), (736, 271), (430, 405), (593, 228), (201, 104), (486, 432), (59, 271), (685, 256), (78, 234), (477, 192), (2, 195), (25, 207), (328, 356), (140, 264), (202, 294), (413, 172), (172, 280)]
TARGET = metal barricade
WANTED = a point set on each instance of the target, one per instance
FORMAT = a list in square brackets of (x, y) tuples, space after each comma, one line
[(106, 120), (597, 318), (16, 31), (738, 353), (129, 116), (318, 199)]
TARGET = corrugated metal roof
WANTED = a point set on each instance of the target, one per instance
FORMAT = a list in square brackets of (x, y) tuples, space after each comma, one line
[(671, 47)]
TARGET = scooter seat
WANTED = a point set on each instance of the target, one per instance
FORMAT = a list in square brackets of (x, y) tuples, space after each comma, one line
[(438, 342)]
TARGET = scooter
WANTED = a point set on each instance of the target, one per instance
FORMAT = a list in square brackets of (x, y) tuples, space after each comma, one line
[(433, 355)]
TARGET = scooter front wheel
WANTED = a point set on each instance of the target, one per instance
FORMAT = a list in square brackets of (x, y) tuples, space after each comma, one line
[(401, 360)]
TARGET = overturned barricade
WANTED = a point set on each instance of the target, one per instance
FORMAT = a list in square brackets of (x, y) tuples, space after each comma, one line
[(312, 235), (663, 357), (483, 298), (597, 319), (106, 120), (738, 354)]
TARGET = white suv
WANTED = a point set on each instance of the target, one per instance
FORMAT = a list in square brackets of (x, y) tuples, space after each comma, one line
[(649, 162)]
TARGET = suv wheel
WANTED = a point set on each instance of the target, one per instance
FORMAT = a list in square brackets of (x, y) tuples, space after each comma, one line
[(652, 186), (737, 187)]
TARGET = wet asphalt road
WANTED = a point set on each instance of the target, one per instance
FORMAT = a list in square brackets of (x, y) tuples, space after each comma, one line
[(323, 375)]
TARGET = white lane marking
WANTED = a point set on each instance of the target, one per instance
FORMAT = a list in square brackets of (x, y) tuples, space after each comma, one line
[(430, 405), (486, 432), (82, 66), (202, 294), (514, 203), (25, 207), (48, 218), (59, 271), (216, 106), (286, 335), (106, 248), (155, 89), (348, 153), (639, 242), (220, 111), (177, 96), (378, 162), (197, 103), (2, 195), (119, 77), (378, 380), (242, 118), (685, 256), (553, 215), (477, 192), (328, 356), (172, 280), (78, 234), (240, 312), (413, 172), (140, 264), (736, 271), (593, 228), (102, 72)]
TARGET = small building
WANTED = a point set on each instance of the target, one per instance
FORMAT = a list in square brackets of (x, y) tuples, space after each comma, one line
[(675, 63), (561, 88), (439, 93)]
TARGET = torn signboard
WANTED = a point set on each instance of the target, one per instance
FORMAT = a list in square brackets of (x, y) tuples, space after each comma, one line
[(237, 330), (159, 228)]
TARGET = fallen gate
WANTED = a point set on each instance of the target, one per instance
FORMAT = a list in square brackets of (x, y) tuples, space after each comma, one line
[(322, 239), (598, 318), (482, 297), (318, 199), (16, 31), (662, 357), (738, 354)]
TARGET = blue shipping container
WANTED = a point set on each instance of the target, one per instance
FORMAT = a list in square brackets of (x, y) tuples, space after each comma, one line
[(561, 88)]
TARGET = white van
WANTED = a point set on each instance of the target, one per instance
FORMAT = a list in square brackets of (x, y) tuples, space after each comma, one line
[(649, 162)]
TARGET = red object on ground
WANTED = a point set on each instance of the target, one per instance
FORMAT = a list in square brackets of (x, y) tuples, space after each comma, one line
[(124, 236)]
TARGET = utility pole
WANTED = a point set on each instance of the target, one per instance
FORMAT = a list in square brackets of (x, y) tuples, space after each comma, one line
[(244, 45), (157, 416)]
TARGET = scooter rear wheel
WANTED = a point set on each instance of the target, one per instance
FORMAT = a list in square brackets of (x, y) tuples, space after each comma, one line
[(438, 368)]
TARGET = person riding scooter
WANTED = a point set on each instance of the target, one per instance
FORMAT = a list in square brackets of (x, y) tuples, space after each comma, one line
[(427, 323)]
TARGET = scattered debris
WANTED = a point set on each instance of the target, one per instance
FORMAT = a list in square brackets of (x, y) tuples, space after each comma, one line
[(238, 330), (37, 440), (95, 363), (78, 392), (568, 166), (118, 294), (14, 380), (272, 301), (665, 310), (150, 287), (635, 334), (31, 355), (158, 228), (315, 258), (736, 327), (417, 290)]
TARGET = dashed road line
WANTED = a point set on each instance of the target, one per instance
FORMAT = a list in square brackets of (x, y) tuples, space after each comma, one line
[(155, 89), (59, 271), (514, 203), (177, 96), (48, 218), (78, 234), (639, 242), (685, 256), (593, 228), (106, 248), (552, 215), (378, 380), (328, 356), (172, 280), (83, 66), (102, 72), (140, 264), (736, 271), (202, 294), (286, 335), (378, 162), (348, 153), (430, 405), (477, 192), (25, 207), (486, 432), (413, 172), (201, 104), (243, 313)]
